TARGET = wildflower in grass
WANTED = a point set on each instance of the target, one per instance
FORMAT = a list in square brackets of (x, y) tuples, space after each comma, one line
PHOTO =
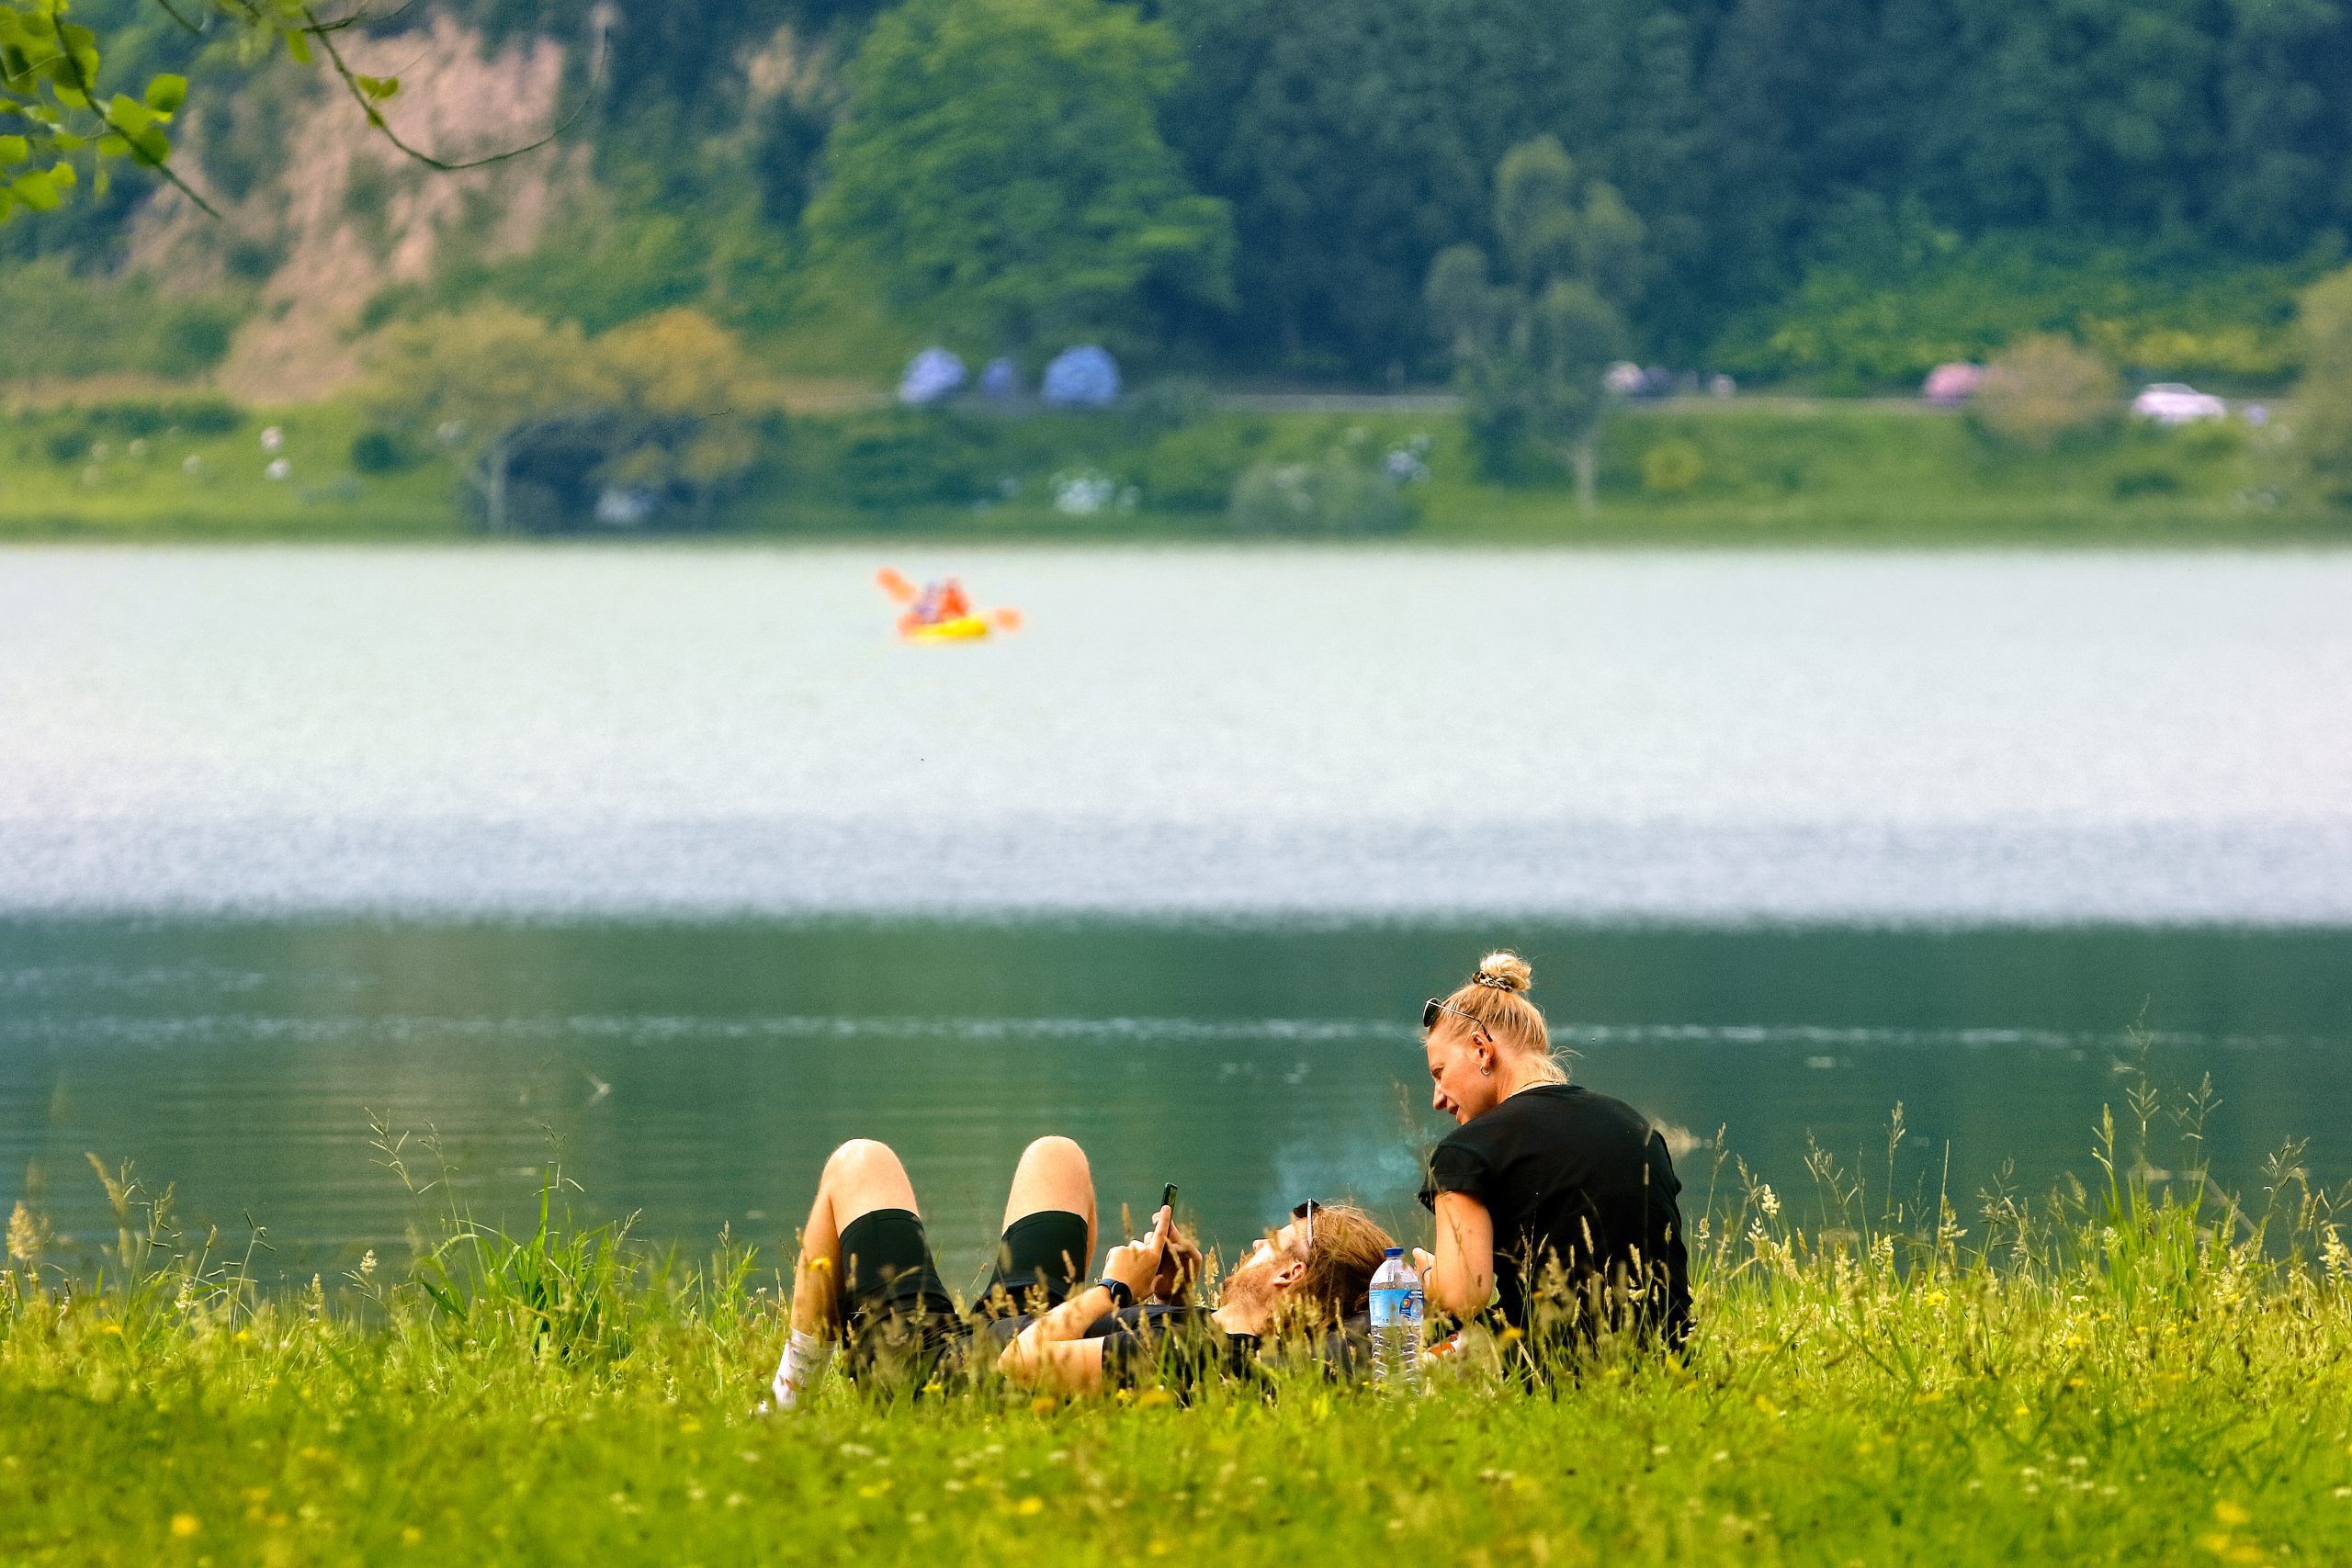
[(1768, 1200), (184, 1526)]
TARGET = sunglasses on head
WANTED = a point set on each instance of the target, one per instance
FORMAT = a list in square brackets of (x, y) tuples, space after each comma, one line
[(1306, 1212), (1433, 1008)]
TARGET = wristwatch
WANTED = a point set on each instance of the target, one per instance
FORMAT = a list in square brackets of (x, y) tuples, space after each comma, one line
[(1122, 1296)]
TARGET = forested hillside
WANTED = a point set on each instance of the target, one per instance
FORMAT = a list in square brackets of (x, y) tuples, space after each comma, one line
[(1837, 191)]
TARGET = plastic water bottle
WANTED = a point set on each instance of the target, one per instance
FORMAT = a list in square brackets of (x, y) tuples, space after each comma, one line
[(1397, 1324)]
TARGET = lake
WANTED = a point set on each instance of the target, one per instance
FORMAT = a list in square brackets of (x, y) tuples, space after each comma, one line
[(672, 866)]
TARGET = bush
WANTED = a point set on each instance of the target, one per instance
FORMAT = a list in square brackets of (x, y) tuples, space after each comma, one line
[(2044, 388), (919, 457), (208, 416), (2135, 479), (1172, 403), (74, 431), (1883, 313), (60, 323), (1672, 466), (2323, 399), (379, 452), (1194, 469), (1337, 494), (192, 336)]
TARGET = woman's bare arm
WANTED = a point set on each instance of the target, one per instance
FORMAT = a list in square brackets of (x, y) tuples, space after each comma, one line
[(1461, 1277)]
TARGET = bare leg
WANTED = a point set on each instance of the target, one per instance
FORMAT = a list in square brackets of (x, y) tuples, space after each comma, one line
[(1053, 1174), (861, 1177)]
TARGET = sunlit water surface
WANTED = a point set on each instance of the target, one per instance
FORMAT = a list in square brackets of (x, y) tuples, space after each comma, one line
[(1812, 736)]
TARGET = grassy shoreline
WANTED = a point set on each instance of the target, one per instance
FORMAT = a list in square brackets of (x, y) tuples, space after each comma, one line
[(1773, 474), (2136, 1370)]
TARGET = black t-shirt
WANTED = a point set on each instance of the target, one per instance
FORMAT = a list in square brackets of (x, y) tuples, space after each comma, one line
[(1182, 1346), (1577, 1178)]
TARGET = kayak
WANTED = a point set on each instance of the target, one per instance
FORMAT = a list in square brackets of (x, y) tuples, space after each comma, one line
[(963, 628)]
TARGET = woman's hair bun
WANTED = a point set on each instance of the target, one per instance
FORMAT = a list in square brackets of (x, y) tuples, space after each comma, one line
[(1504, 972)]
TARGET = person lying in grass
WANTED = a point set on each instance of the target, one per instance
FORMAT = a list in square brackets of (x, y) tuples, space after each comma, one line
[(866, 1282), (1305, 1282)]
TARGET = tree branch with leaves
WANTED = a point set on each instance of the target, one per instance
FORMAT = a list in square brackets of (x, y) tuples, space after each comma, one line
[(57, 111)]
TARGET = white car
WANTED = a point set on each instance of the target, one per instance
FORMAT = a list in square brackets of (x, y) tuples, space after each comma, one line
[(2172, 402)]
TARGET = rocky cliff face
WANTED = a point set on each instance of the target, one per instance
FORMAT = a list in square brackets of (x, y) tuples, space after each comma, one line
[(343, 215)]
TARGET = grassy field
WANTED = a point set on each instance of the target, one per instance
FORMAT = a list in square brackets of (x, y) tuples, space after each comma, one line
[(2139, 1371), (1757, 471)]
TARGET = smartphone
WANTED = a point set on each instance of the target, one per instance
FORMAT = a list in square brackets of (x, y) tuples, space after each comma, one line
[(1167, 1200)]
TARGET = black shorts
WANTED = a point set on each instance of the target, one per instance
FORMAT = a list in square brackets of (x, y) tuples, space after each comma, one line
[(904, 1330)]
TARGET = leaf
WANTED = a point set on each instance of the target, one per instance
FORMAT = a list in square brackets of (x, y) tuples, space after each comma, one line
[(36, 191), (64, 176), (167, 93), (67, 141), (154, 146), (379, 88), (113, 145), (15, 149), (298, 44), (128, 115)]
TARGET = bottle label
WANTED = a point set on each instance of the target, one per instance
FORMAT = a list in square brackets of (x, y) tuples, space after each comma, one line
[(1392, 1307)]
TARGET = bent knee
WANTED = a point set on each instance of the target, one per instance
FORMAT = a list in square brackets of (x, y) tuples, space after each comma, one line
[(1054, 1148), (859, 1155)]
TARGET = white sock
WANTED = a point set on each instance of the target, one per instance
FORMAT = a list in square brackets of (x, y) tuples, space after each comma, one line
[(803, 1368)]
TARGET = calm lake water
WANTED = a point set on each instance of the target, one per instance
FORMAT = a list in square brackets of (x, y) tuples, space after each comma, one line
[(673, 866)]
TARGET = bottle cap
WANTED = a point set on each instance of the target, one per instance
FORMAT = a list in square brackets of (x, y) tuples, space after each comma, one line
[(1396, 1252)]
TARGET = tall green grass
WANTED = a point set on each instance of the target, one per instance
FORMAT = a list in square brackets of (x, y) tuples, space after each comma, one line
[(2137, 1367)]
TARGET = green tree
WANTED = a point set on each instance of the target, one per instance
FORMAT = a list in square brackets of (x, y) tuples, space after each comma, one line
[(688, 406), (666, 404), (998, 169), (1354, 142), (2281, 175), (2323, 416), (480, 382), (1532, 339)]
